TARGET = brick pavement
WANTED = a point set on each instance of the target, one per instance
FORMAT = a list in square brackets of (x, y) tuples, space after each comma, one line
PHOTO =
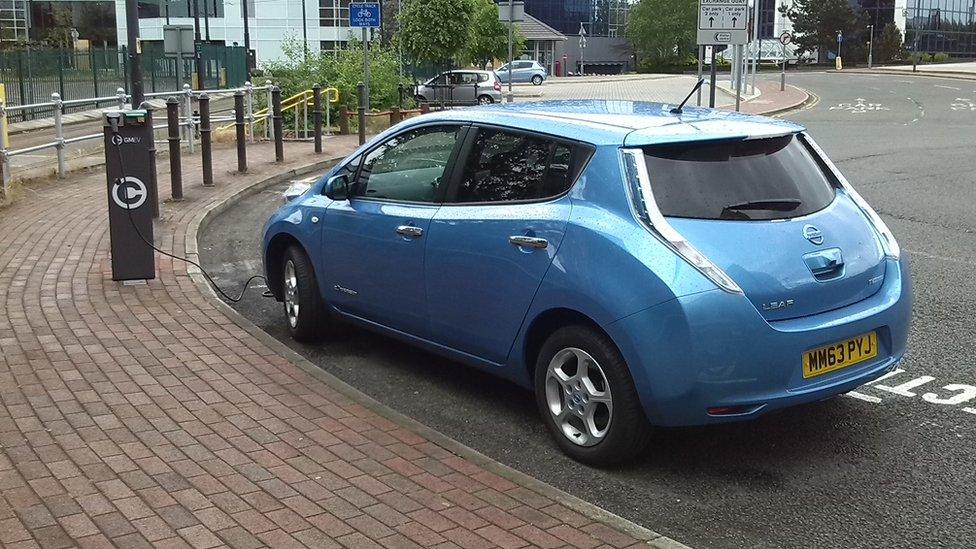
[(140, 416)]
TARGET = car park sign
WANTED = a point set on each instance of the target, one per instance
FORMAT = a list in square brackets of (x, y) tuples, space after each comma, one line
[(364, 14), (723, 22)]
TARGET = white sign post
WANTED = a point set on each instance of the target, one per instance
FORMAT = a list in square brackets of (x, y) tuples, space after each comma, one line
[(725, 22)]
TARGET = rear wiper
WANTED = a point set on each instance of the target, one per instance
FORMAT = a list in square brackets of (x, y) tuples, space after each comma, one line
[(774, 204)]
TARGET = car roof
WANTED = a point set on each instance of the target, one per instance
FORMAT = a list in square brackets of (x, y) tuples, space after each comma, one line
[(610, 122)]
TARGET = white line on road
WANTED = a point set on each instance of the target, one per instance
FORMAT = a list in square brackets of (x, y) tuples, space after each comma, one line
[(864, 397), (948, 87), (969, 410)]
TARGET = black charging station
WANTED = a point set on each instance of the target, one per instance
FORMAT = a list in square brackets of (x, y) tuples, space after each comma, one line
[(128, 139)]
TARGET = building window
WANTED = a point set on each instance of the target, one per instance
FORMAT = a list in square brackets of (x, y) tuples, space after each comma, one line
[(333, 46), (334, 13), (151, 9), (13, 20)]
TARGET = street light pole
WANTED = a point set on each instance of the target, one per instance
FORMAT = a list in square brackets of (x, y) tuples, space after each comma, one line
[(511, 17), (871, 48), (304, 31), (196, 44), (247, 40), (135, 55)]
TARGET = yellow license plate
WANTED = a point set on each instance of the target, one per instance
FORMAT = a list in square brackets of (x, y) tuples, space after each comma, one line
[(830, 358)]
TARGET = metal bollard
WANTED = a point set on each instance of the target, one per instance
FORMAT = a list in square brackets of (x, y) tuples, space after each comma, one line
[(249, 109), (400, 95), (205, 144), (317, 116), (153, 177), (59, 132), (395, 115), (267, 117), (239, 126), (188, 114), (173, 127), (277, 119), (343, 120), (120, 97), (361, 93)]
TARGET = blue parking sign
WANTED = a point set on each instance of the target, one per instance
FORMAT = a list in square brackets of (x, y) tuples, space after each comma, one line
[(364, 14)]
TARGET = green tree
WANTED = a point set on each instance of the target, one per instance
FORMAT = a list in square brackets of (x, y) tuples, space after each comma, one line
[(663, 31), (341, 70), (435, 31), (488, 39), (816, 22), (889, 46)]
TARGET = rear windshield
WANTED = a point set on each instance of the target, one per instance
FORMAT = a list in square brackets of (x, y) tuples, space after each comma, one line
[(758, 179)]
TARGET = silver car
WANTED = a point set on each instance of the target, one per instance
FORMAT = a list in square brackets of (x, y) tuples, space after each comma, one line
[(461, 87)]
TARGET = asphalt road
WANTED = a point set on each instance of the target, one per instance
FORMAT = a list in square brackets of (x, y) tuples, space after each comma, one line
[(892, 466)]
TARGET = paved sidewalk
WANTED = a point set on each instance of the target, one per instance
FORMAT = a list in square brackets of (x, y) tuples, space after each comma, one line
[(142, 416)]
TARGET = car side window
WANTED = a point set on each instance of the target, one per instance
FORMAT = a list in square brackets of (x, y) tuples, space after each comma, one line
[(468, 78), (506, 166), (408, 167)]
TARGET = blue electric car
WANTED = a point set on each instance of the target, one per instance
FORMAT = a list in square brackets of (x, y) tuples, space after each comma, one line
[(632, 266)]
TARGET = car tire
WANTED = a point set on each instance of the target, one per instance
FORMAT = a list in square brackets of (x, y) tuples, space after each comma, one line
[(305, 313), (485, 100), (607, 397), (537, 80), (419, 99)]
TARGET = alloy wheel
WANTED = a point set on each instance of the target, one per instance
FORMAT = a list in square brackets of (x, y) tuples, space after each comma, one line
[(578, 397), (291, 293)]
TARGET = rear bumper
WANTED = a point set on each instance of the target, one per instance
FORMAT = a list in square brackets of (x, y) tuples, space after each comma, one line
[(714, 349)]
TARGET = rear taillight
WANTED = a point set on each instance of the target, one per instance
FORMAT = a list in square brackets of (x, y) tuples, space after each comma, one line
[(885, 236), (498, 85), (645, 207)]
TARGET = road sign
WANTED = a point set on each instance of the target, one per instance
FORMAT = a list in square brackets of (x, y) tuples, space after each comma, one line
[(785, 38), (723, 22), (364, 14)]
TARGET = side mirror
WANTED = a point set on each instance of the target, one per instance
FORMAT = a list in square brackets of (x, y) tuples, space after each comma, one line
[(337, 187)]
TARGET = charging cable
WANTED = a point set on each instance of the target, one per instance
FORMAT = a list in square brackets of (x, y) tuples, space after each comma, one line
[(121, 181)]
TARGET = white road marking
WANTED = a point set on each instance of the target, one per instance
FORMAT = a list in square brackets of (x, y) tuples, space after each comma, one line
[(966, 393), (864, 397), (905, 388), (859, 106), (948, 87), (963, 104), (963, 393)]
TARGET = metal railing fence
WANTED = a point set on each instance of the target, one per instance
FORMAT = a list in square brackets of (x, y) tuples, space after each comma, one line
[(189, 120), (30, 76)]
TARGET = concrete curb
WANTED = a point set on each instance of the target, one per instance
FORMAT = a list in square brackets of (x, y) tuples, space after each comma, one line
[(808, 99), (203, 219)]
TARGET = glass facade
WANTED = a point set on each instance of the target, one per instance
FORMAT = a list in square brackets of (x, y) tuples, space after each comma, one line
[(942, 26), (183, 8), (598, 17)]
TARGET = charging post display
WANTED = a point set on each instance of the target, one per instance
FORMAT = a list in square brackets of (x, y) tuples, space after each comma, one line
[(128, 138)]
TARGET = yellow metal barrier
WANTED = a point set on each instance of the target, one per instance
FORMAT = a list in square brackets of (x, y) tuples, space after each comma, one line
[(300, 100)]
